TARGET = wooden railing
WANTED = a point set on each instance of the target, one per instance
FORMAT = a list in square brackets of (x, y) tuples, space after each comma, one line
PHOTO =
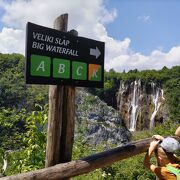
[(85, 165)]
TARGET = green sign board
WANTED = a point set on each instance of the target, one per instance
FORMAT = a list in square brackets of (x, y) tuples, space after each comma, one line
[(55, 57)]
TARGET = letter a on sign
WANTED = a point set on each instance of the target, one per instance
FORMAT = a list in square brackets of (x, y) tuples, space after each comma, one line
[(40, 65)]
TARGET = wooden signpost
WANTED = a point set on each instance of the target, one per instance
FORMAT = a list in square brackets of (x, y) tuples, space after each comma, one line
[(60, 122), (63, 60)]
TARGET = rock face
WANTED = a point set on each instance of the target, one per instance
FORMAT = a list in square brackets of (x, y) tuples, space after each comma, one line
[(100, 123), (141, 106)]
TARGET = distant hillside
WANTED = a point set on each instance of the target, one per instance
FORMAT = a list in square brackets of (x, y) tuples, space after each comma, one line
[(97, 123), (14, 93), (166, 79), (24, 109)]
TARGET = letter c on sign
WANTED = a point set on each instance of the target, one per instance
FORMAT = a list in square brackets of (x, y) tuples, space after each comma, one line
[(79, 71)]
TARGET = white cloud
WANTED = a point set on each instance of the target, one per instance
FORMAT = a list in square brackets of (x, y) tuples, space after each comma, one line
[(2, 3), (83, 15), (11, 41), (145, 19), (156, 60), (89, 18)]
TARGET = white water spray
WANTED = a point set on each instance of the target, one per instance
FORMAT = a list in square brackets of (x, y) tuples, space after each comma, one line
[(134, 105), (155, 99), (162, 94)]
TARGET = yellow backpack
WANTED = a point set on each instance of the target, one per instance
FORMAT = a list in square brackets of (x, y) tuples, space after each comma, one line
[(174, 171)]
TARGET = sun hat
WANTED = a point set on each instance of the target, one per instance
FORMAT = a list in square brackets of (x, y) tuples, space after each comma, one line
[(170, 144)]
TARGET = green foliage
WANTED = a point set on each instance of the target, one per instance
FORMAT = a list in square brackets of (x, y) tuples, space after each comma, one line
[(11, 125), (11, 80), (173, 92), (23, 132), (168, 128), (14, 93), (30, 153), (35, 138), (129, 169), (95, 175)]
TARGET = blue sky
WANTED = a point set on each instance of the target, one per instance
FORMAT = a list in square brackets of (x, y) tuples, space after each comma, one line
[(150, 24), (1, 14), (142, 34)]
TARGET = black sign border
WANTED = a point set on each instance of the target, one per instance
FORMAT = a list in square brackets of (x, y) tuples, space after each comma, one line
[(60, 81)]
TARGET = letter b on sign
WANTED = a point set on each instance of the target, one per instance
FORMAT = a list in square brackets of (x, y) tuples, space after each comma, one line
[(61, 68)]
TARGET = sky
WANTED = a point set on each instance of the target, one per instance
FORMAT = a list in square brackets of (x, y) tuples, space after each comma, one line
[(138, 34)]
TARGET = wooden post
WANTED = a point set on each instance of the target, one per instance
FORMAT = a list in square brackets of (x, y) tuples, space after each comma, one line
[(68, 121), (54, 125), (61, 115)]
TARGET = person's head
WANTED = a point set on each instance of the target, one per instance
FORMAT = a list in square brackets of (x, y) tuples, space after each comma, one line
[(177, 133), (164, 157), (165, 151)]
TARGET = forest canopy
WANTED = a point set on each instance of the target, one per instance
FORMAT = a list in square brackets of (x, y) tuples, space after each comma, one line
[(23, 118)]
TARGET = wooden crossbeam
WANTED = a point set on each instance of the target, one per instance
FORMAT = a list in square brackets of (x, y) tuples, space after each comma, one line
[(87, 164)]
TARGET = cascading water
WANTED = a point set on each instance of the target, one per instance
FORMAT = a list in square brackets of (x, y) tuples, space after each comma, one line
[(162, 94), (155, 98), (139, 103), (134, 105)]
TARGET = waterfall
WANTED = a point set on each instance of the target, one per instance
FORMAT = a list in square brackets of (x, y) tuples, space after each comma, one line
[(162, 93), (155, 98), (4, 166), (134, 105), (141, 104)]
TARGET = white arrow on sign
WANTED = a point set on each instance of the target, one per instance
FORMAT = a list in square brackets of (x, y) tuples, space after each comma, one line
[(95, 52)]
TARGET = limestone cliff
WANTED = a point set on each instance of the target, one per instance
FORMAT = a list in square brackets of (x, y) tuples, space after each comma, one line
[(98, 122), (141, 105)]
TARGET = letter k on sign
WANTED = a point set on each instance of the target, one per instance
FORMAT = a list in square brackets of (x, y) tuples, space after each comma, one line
[(94, 72)]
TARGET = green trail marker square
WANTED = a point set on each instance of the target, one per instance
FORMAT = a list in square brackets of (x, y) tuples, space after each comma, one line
[(40, 65), (61, 68), (79, 70)]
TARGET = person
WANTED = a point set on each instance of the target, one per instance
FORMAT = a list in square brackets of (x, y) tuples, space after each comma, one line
[(177, 133), (168, 167)]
